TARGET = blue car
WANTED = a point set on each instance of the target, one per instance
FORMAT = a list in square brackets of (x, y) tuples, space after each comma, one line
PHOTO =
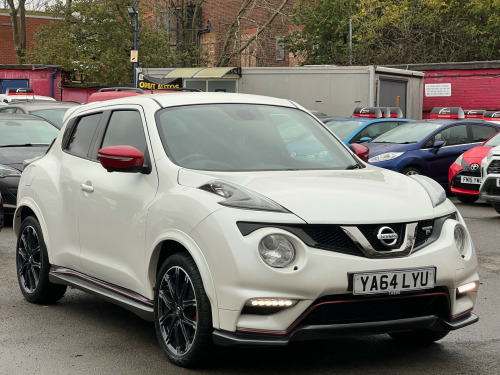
[(360, 129), (428, 147)]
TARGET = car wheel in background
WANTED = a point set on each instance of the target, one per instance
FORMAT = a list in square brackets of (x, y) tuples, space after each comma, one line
[(466, 198), (33, 266), (496, 206), (410, 171), (183, 318), (422, 336)]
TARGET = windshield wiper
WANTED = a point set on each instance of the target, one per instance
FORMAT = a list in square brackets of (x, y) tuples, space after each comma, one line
[(353, 166), (25, 145)]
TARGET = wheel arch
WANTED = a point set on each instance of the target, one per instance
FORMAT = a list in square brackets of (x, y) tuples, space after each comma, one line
[(176, 242), (29, 208)]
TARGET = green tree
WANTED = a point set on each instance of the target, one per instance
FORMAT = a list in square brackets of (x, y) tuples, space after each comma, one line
[(322, 31), (394, 31), (93, 39)]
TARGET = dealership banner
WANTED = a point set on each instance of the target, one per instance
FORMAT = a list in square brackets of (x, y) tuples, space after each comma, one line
[(147, 82)]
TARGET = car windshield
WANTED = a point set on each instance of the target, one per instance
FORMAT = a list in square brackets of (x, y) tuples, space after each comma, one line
[(54, 115), (343, 128), (411, 132), (493, 141), (26, 132), (240, 137)]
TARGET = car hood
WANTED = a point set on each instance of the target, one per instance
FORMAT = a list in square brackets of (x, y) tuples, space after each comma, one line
[(369, 195), (380, 148), (476, 154), (14, 156)]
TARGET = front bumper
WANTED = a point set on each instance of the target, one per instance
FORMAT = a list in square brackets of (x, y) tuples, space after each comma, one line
[(315, 332), (459, 187), (490, 189), (319, 280)]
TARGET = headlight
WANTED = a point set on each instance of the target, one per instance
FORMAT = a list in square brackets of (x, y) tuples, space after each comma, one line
[(385, 156), (459, 160), (276, 251), (8, 171), (239, 197), (435, 191), (460, 236)]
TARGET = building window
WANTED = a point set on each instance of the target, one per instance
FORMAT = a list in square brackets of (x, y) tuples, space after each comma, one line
[(280, 49)]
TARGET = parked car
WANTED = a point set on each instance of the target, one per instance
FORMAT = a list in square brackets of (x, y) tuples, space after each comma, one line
[(363, 127), (489, 190), (52, 111), (21, 137), (190, 211), (464, 175), (428, 147), (22, 93)]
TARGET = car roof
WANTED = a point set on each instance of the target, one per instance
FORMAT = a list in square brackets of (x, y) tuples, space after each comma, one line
[(189, 98)]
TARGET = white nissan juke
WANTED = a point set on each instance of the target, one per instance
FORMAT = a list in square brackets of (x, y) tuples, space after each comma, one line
[(232, 219)]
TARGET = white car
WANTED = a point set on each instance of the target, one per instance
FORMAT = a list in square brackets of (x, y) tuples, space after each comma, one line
[(212, 215), (490, 177)]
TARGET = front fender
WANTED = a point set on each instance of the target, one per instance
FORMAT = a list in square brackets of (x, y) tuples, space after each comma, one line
[(192, 248)]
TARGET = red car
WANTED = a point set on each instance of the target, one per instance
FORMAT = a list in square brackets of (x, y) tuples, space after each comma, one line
[(464, 175)]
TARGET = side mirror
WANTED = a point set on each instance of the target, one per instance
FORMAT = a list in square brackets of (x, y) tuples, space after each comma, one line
[(121, 159), (437, 145), (365, 139), (361, 151)]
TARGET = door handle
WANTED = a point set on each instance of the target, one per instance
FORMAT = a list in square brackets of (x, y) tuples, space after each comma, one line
[(87, 187)]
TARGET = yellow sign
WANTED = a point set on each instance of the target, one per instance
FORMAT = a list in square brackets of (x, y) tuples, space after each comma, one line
[(156, 86), (134, 55)]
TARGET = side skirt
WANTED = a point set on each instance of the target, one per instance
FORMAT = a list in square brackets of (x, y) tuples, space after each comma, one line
[(125, 298)]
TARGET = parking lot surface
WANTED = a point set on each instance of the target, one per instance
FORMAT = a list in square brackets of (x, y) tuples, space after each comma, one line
[(85, 335)]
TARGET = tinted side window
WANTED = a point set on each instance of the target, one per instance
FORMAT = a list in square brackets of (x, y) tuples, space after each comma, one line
[(481, 133), (83, 132), (454, 135), (374, 130), (125, 128)]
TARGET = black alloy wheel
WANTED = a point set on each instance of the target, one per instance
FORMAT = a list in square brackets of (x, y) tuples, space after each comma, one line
[(33, 265), (183, 318)]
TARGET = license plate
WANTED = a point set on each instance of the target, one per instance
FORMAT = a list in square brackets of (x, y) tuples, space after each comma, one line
[(498, 182), (394, 281), (471, 180)]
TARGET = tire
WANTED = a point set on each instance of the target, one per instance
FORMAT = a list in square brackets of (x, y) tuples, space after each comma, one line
[(418, 337), (410, 171), (182, 312), (467, 199), (32, 263), (496, 206)]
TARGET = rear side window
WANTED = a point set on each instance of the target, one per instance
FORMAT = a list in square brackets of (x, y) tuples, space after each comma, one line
[(82, 135), (481, 133)]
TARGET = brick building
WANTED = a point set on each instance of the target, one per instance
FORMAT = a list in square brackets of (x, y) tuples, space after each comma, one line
[(33, 22), (470, 85), (266, 50)]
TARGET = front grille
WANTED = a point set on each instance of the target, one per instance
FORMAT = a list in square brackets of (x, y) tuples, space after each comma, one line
[(494, 167), (347, 309), (493, 191), (332, 237)]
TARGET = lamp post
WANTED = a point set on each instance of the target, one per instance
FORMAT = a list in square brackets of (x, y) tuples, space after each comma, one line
[(133, 11)]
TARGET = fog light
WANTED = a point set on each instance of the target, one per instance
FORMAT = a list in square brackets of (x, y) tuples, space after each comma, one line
[(267, 306), (460, 239), (466, 288), (276, 251)]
